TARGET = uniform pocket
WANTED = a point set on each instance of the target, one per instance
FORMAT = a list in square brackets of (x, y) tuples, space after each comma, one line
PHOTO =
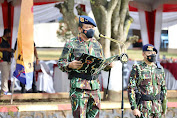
[(146, 82), (99, 94), (75, 94), (158, 77), (147, 104), (78, 103), (145, 75), (98, 52), (78, 52)]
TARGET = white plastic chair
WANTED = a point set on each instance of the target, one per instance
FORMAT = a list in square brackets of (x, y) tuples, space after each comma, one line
[(44, 79)]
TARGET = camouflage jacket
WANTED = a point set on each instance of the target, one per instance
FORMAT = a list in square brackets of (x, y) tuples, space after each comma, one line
[(72, 50), (149, 81)]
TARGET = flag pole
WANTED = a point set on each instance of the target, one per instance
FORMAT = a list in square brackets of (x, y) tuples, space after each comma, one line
[(124, 60), (11, 101), (122, 102)]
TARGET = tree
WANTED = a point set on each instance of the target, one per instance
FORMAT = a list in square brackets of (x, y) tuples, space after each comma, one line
[(112, 18), (70, 20)]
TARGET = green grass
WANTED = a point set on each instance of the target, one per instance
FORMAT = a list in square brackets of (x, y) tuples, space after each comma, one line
[(49, 54), (168, 55), (137, 54), (133, 54)]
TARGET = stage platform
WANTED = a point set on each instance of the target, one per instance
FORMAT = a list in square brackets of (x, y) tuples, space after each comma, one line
[(57, 104)]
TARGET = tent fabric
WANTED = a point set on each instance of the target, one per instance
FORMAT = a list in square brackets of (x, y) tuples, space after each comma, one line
[(5, 14), (157, 29), (44, 79), (1, 21), (132, 9), (16, 19), (169, 8), (42, 13), (144, 34), (43, 10), (150, 5), (148, 34), (150, 23), (169, 19), (45, 13), (44, 2), (169, 16), (11, 19)]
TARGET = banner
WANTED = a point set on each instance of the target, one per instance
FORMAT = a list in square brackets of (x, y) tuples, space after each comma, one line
[(25, 44)]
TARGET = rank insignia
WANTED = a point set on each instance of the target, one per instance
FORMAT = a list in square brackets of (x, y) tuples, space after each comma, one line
[(150, 48), (81, 19)]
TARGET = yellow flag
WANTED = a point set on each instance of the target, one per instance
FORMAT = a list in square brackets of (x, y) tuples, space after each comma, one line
[(25, 43)]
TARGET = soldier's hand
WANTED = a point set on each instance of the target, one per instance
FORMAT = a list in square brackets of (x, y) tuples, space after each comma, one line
[(75, 64), (164, 113), (111, 65), (37, 61), (9, 50), (136, 112)]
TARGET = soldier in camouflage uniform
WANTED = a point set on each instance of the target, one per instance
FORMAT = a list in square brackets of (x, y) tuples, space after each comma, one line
[(146, 89), (84, 89)]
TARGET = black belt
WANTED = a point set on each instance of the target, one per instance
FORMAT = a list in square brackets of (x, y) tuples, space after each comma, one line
[(81, 75), (150, 97), (79, 90)]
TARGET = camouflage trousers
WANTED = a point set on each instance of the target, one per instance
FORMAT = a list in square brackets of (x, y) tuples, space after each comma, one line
[(85, 103), (150, 109), (148, 114)]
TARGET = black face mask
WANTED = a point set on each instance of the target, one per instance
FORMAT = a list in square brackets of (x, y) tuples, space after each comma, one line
[(151, 58), (89, 33)]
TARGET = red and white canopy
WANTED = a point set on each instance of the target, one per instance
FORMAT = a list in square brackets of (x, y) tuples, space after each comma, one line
[(10, 14), (151, 16), (43, 10)]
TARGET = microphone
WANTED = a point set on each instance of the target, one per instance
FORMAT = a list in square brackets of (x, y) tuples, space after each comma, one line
[(113, 40), (101, 35), (123, 57)]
